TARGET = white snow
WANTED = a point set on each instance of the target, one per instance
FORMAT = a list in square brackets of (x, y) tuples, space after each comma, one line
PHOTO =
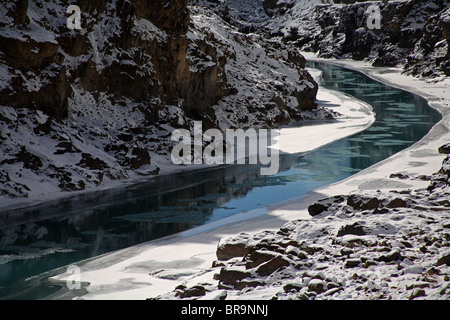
[(5, 77), (307, 138), (148, 31)]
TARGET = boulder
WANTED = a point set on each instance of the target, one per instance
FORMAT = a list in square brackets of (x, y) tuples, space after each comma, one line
[(397, 203), (93, 163), (272, 265), (230, 250), (195, 291), (417, 292), (293, 286), (316, 209), (393, 255), (317, 285), (444, 149), (230, 276), (258, 257), (361, 202), (351, 263), (444, 259), (357, 228), (140, 157)]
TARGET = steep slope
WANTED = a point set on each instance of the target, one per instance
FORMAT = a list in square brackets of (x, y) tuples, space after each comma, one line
[(81, 108), (413, 34)]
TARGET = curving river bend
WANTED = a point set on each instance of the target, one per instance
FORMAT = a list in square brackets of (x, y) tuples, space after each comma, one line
[(57, 233)]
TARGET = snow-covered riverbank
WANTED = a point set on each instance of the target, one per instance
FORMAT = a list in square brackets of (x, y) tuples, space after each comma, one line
[(156, 268), (380, 234), (356, 116)]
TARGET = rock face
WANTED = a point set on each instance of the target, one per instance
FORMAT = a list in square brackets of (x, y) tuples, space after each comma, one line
[(115, 60), (445, 24), (272, 7), (413, 34), (99, 103)]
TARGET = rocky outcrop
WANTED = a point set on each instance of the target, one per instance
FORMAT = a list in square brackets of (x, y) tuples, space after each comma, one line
[(18, 12), (126, 55), (120, 67), (172, 15), (272, 7), (25, 59), (412, 34), (445, 24), (125, 58)]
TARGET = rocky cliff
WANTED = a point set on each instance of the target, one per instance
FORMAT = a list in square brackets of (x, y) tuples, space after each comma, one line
[(413, 34), (80, 107), (126, 49)]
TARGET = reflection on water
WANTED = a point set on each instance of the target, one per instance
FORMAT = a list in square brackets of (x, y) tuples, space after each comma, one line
[(57, 233)]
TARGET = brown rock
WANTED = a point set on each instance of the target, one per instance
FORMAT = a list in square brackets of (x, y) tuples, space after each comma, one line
[(65, 147), (195, 291), (248, 284), (393, 255), (369, 263), (87, 160), (258, 257), (292, 286), (316, 209), (141, 157), (172, 15), (445, 259), (445, 149), (19, 12), (445, 24), (417, 292), (351, 263), (231, 250), (272, 265), (316, 285), (356, 228), (30, 161), (231, 276), (295, 57), (397, 203), (363, 203)]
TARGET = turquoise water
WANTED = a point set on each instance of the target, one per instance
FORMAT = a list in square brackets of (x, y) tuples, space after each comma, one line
[(57, 233)]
